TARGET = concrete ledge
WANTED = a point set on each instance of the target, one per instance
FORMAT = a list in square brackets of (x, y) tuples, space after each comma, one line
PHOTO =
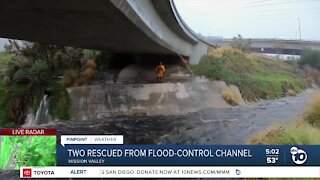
[(96, 102)]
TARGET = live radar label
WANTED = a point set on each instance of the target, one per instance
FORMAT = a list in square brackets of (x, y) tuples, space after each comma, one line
[(27, 132), (27, 147)]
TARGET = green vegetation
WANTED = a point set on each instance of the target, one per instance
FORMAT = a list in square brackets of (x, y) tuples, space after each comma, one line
[(257, 77), (40, 150), (311, 57), (59, 102), (10, 95), (27, 69), (304, 131), (3, 109), (4, 60)]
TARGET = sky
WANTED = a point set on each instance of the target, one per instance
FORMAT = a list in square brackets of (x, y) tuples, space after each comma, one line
[(2, 43), (253, 18)]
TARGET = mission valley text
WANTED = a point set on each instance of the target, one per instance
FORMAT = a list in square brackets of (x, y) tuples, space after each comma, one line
[(159, 153)]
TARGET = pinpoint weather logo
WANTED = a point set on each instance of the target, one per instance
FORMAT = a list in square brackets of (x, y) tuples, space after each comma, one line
[(299, 156)]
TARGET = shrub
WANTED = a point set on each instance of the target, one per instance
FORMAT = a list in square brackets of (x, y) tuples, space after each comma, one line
[(5, 58), (4, 108), (241, 44), (231, 96), (76, 78), (69, 78), (24, 70), (29, 68), (59, 102), (311, 57), (88, 74), (13, 102), (312, 115)]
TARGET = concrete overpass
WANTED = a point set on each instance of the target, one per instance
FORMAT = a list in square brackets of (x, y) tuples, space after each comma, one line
[(118, 26), (273, 45)]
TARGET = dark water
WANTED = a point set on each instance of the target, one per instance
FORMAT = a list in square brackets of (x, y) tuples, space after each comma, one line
[(208, 126)]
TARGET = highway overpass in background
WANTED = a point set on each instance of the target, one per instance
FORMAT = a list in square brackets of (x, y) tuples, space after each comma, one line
[(118, 26), (274, 46)]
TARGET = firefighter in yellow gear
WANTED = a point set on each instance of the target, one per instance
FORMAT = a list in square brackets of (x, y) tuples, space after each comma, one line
[(160, 70)]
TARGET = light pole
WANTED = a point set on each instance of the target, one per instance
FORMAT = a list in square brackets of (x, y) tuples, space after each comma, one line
[(299, 28)]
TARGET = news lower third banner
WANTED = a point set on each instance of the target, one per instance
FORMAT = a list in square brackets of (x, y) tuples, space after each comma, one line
[(110, 151), (39, 153), (34, 147)]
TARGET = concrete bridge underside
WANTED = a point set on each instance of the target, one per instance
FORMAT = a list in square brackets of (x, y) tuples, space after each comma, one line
[(118, 26)]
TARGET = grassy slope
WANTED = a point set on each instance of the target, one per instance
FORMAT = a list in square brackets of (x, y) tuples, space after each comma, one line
[(304, 131), (257, 77)]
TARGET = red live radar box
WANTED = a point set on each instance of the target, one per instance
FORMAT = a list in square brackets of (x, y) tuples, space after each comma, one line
[(27, 147)]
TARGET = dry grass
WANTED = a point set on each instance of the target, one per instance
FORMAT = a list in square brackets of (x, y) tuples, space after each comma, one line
[(231, 96), (292, 92), (69, 78), (79, 78), (219, 52), (295, 134), (305, 130), (312, 114)]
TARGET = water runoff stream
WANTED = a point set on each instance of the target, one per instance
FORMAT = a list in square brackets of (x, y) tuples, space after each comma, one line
[(208, 126)]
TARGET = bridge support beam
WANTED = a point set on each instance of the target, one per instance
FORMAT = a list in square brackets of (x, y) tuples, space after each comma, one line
[(198, 50)]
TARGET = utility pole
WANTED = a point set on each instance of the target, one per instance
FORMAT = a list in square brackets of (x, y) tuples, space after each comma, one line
[(299, 28)]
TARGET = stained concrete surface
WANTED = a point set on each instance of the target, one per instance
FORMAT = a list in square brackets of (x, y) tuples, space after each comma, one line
[(136, 93), (97, 102)]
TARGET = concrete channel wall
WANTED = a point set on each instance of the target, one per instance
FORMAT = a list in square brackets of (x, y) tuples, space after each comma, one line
[(98, 102)]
